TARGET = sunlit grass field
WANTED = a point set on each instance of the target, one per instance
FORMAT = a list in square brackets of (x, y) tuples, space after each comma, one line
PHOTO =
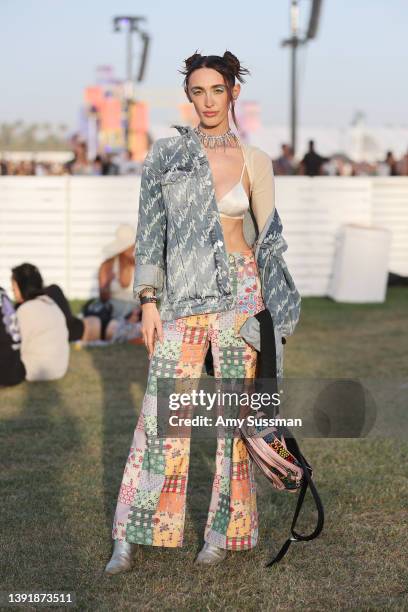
[(63, 449)]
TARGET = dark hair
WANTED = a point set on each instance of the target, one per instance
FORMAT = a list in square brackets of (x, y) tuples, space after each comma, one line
[(29, 281), (228, 65)]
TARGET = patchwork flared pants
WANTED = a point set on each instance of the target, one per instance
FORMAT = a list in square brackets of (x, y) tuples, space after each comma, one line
[(152, 498)]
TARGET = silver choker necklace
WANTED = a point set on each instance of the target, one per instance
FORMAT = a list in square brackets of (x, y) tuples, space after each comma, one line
[(228, 139)]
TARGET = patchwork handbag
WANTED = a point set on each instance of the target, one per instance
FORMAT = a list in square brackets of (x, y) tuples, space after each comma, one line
[(274, 449)]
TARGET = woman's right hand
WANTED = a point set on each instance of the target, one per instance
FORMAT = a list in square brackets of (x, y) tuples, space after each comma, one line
[(151, 326)]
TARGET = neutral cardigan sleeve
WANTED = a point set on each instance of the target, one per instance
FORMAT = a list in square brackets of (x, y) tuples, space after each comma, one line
[(262, 187)]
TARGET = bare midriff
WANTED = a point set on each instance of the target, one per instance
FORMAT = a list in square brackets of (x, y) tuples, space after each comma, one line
[(234, 236)]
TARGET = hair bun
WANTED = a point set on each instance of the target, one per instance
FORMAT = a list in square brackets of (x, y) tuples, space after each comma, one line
[(234, 64), (192, 59), (232, 61)]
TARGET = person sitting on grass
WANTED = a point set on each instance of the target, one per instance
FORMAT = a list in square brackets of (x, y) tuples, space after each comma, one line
[(116, 273), (44, 332)]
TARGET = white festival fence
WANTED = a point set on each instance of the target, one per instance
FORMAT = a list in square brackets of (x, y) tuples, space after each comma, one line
[(61, 224)]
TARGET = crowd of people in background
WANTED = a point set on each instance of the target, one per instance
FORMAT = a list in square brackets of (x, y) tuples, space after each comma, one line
[(106, 164), (109, 164), (313, 164), (37, 326)]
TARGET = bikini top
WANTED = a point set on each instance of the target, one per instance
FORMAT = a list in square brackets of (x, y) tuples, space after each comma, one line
[(235, 203)]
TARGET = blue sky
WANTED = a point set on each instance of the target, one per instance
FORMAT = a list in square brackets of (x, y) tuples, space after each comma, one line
[(50, 49)]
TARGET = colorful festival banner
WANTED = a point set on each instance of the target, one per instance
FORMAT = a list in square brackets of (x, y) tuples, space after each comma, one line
[(93, 97)]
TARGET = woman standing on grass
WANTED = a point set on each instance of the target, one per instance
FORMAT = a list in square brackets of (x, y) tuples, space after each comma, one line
[(204, 199)]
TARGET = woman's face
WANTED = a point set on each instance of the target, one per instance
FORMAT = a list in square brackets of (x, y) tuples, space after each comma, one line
[(16, 292), (209, 94)]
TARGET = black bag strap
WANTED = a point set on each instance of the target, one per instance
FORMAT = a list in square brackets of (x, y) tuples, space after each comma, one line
[(307, 482), (267, 369)]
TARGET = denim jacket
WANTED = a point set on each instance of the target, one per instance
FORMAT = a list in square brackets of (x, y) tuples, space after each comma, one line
[(180, 247)]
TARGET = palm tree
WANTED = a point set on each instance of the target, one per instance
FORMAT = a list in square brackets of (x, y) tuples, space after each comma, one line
[(28, 137), (6, 135)]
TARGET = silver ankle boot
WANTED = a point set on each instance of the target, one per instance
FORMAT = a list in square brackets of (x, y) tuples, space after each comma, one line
[(122, 557), (211, 554)]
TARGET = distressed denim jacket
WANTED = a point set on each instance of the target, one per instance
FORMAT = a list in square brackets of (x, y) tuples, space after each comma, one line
[(180, 247)]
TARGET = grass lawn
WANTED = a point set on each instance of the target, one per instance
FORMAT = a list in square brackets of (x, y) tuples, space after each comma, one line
[(63, 449)]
